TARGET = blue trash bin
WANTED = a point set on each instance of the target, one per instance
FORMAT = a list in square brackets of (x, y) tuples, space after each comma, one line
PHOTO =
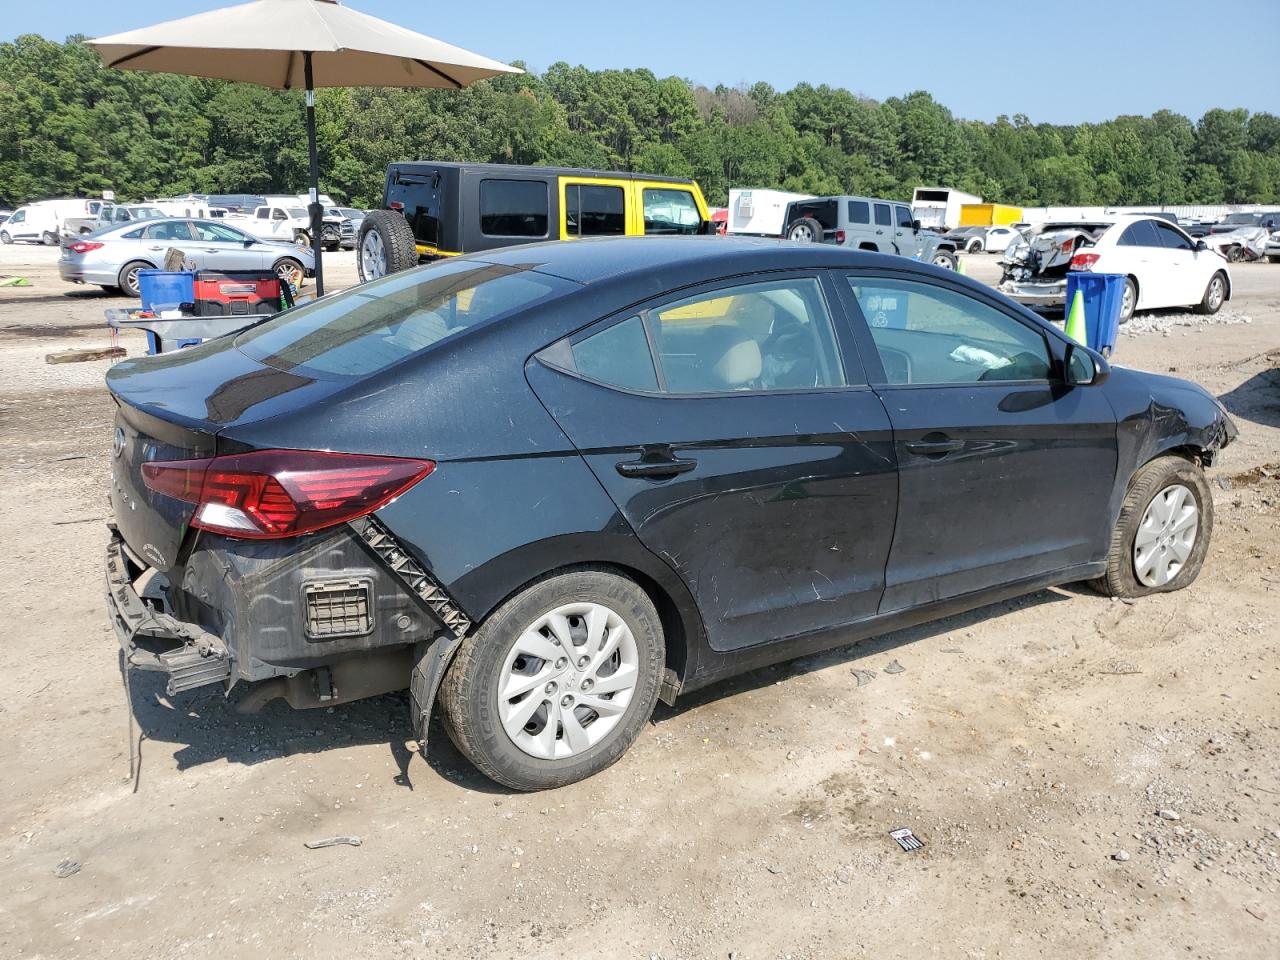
[(1103, 294), (166, 290)]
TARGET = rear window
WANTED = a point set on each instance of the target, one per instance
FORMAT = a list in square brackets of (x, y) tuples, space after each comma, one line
[(824, 211), (513, 208), (370, 327)]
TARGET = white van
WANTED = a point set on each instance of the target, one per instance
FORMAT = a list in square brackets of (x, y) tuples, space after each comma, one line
[(34, 223)]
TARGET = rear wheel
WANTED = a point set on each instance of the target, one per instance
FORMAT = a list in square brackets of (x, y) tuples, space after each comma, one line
[(558, 682), (129, 277), (1162, 535), (1270, 259), (290, 271), (49, 238), (386, 245), (806, 230), (1215, 294), (1128, 300)]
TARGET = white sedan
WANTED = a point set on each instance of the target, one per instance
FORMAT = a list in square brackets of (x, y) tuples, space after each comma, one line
[(1162, 266), (997, 239)]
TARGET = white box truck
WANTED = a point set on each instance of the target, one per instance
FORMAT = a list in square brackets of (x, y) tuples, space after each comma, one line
[(938, 208), (759, 213)]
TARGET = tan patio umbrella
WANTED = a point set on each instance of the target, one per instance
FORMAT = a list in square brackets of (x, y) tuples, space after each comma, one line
[(289, 44)]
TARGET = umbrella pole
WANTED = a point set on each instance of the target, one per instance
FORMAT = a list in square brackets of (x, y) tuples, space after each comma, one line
[(316, 211)]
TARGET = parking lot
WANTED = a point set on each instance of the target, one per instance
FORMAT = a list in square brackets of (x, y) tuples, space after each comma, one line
[(1033, 746)]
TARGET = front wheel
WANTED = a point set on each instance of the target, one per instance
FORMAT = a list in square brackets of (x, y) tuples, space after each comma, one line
[(558, 682), (1215, 294), (944, 259), (1128, 300), (290, 271), (5, 238), (1162, 535)]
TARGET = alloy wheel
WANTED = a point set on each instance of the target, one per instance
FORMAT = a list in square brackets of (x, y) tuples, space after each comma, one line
[(567, 680), (373, 256), (1216, 293), (1166, 535), (290, 273)]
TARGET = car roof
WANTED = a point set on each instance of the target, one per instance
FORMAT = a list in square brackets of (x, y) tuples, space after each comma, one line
[(671, 262)]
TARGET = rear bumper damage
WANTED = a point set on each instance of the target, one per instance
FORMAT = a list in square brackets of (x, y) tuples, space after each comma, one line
[(1047, 295), (327, 620)]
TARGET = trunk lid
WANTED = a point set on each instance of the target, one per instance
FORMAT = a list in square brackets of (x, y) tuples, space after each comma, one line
[(175, 407)]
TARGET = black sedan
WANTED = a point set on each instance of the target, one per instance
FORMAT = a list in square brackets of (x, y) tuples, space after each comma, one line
[(549, 485)]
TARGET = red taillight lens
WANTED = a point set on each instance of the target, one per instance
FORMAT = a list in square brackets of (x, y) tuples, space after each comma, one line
[(84, 246), (396, 205), (1084, 261), (839, 236), (272, 494)]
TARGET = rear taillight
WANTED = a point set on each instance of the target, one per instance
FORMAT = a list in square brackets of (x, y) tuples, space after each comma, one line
[(839, 236), (272, 494), (396, 205), (1084, 261), (84, 246), (1067, 245)]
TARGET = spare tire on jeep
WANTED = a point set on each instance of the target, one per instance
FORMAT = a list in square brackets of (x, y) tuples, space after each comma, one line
[(386, 245)]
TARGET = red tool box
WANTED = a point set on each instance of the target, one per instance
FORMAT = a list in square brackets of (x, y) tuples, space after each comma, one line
[(240, 293)]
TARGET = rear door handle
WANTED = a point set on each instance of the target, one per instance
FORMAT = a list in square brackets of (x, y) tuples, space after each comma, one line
[(668, 467), (934, 448)]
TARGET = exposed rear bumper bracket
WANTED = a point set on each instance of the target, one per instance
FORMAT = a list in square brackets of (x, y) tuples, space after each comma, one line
[(388, 549), (154, 640)]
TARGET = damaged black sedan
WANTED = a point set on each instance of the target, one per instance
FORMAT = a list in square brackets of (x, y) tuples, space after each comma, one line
[(545, 487)]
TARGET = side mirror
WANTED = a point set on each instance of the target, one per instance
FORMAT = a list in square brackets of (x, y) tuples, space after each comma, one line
[(707, 228), (915, 225), (249, 241), (1084, 367), (1201, 245)]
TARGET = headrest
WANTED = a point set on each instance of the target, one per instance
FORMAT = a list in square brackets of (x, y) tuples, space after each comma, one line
[(739, 363)]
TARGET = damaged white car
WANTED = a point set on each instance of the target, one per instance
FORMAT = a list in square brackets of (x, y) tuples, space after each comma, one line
[(1240, 245), (1162, 266)]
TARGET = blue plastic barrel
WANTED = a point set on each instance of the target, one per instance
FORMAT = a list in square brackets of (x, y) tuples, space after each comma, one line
[(166, 290), (1103, 294)]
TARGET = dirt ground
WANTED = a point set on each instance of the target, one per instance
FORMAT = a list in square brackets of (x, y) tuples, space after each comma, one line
[(1031, 745)]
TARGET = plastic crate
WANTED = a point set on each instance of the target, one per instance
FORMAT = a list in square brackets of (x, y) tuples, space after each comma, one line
[(165, 289)]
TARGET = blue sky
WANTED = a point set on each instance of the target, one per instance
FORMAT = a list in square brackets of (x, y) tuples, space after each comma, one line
[(1061, 61)]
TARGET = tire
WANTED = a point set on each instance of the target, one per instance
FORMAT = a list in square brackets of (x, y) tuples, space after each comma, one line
[(128, 277), (302, 239), (1215, 295), (289, 270), (1234, 254), (49, 239), (1155, 480), (386, 245), (532, 759), (1128, 300), (974, 247), (806, 230), (1270, 258), (944, 259), (5, 238)]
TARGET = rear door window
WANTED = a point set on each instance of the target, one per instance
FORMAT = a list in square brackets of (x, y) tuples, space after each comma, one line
[(172, 230), (670, 212), (883, 217), (372, 326), (513, 208), (594, 210), (859, 211), (1140, 234), (618, 355)]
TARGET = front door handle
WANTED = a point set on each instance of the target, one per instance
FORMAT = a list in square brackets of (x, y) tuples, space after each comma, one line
[(666, 467), (939, 447)]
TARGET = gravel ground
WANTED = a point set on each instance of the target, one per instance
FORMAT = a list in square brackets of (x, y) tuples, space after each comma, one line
[(1089, 778)]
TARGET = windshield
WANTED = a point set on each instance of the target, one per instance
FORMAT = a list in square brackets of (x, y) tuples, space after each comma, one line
[(351, 213), (297, 213), (372, 326), (145, 213), (1244, 218)]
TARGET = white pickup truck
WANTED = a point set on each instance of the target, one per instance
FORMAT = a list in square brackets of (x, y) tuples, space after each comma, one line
[(288, 223)]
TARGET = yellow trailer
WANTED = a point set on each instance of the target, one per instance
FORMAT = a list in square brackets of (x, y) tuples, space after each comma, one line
[(988, 214)]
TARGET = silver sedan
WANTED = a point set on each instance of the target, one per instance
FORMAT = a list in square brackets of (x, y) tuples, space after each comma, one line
[(112, 256)]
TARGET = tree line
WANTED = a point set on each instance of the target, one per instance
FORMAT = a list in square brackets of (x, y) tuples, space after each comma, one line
[(69, 126)]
